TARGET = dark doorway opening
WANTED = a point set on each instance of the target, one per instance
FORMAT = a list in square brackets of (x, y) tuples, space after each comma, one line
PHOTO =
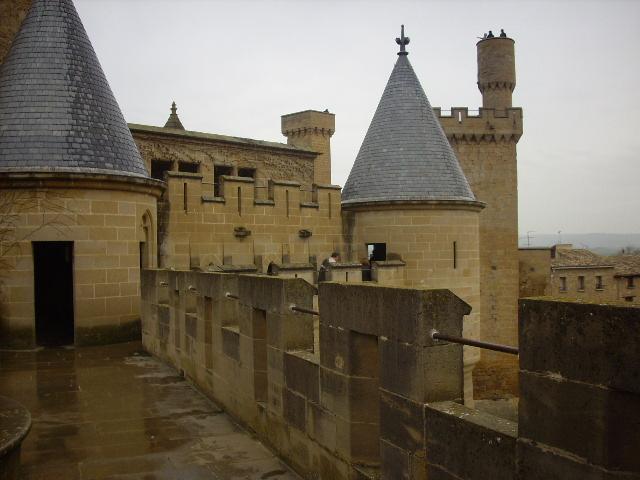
[(53, 290)]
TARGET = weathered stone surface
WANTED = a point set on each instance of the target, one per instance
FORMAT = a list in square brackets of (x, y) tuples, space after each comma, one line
[(274, 295), (470, 444), (321, 426), (334, 348), (294, 409), (290, 331), (403, 314), (302, 375), (231, 343), (603, 341), (595, 423), (401, 422), (364, 400), (334, 392), (394, 462), (438, 371), (535, 462)]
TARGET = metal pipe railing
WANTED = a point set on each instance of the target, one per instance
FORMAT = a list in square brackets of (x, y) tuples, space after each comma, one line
[(435, 335), (296, 308), (231, 295)]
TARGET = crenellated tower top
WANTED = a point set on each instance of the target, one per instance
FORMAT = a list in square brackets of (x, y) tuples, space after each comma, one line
[(496, 71)]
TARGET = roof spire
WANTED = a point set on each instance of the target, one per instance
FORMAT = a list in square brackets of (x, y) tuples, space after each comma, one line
[(174, 121), (403, 42)]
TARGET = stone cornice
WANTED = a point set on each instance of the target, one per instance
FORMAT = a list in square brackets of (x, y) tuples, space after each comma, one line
[(80, 181), (475, 206)]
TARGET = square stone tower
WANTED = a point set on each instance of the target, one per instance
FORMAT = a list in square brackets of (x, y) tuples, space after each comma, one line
[(485, 145)]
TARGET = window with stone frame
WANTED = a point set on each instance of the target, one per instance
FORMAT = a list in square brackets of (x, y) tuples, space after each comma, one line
[(188, 167), (563, 284), (218, 171), (599, 284), (247, 172), (581, 283), (159, 167), (631, 282)]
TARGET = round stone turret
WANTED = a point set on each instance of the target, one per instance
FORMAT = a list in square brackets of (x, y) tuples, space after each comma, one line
[(496, 71)]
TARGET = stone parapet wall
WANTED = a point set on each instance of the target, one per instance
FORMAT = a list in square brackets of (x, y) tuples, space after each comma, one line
[(287, 227), (334, 407), (579, 391), (578, 408)]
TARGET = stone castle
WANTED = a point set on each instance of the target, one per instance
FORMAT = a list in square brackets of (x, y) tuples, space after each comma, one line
[(208, 249), (431, 201)]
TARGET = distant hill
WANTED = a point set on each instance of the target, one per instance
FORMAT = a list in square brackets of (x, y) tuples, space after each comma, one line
[(600, 243)]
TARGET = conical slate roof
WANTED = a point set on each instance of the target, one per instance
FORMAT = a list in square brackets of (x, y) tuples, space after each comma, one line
[(405, 155), (174, 121), (57, 111)]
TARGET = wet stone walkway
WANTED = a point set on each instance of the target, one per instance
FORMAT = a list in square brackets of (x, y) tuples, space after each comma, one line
[(116, 413)]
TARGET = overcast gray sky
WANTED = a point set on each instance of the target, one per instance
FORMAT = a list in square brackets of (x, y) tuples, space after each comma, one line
[(234, 67)]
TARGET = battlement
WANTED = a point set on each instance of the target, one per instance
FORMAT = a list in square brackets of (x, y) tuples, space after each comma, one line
[(245, 192), (488, 125), (248, 222), (359, 380)]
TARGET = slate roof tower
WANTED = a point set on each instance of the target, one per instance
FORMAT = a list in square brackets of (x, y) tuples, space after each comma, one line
[(405, 155), (57, 111), (407, 206), (80, 203)]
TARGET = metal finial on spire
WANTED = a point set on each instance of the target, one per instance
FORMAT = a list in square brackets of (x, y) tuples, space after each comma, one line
[(403, 42), (174, 109)]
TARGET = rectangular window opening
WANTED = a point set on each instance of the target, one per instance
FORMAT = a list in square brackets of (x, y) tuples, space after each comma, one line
[(581, 283), (630, 282), (240, 201), (247, 172), (377, 252), (563, 284), (188, 167), (159, 167), (218, 171), (599, 284)]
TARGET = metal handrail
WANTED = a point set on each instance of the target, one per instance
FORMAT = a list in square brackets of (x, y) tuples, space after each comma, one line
[(435, 335), (231, 295), (296, 308)]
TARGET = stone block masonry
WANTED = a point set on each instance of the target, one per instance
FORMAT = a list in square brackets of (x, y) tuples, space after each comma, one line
[(578, 409), (202, 230), (107, 219), (334, 407), (580, 391), (375, 397), (485, 145)]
